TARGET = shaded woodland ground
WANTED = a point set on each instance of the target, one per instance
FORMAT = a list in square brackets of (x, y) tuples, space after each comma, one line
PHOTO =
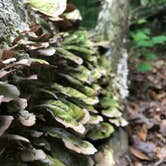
[(147, 113), (146, 105)]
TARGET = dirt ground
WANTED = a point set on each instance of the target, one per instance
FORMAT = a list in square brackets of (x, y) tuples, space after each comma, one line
[(146, 109)]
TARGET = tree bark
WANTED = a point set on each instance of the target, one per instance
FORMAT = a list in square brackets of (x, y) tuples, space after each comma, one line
[(112, 26), (13, 18)]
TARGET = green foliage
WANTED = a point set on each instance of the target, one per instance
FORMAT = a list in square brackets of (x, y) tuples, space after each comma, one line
[(151, 56), (144, 43), (159, 39), (143, 38), (144, 67)]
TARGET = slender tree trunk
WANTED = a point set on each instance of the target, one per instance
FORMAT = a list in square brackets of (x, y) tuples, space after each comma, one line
[(112, 26), (113, 21)]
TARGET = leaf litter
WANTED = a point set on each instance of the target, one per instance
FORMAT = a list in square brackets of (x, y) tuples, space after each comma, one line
[(146, 109)]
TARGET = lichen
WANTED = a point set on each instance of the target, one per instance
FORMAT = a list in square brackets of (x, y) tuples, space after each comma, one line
[(10, 21), (120, 82)]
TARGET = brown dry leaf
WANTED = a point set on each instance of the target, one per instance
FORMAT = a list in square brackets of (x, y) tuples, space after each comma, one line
[(163, 139), (142, 133), (34, 28), (159, 63), (146, 147), (152, 94), (161, 153), (70, 7), (137, 153)]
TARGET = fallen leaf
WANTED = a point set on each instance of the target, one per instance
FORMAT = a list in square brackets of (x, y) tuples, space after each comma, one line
[(161, 153), (146, 147), (142, 133), (137, 153), (153, 95)]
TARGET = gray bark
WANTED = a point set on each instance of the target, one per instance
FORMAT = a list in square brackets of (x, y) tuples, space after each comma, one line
[(13, 18), (112, 26)]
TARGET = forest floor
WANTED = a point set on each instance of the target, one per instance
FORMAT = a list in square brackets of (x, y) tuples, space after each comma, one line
[(147, 114)]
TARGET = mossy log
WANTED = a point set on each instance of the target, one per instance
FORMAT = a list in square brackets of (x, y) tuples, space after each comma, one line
[(112, 26)]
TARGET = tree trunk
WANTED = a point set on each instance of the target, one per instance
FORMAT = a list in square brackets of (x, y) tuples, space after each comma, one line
[(13, 18), (112, 26)]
